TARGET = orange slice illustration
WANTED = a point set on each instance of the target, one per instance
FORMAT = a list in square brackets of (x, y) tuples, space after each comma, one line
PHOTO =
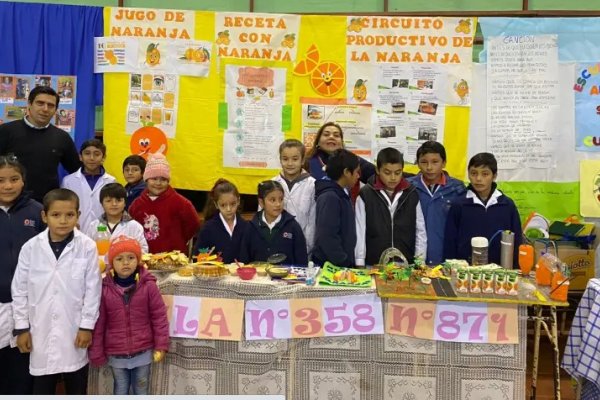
[(309, 63), (328, 78)]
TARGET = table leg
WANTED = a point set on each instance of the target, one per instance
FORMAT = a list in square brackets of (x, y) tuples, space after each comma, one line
[(537, 320), (554, 339)]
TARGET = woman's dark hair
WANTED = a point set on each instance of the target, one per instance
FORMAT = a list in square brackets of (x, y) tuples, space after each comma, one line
[(315, 145), (340, 161), (11, 161), (221, 186), (266, 187)]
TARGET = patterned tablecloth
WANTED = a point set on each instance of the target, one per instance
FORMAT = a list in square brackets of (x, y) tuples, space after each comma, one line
[(334, 368)]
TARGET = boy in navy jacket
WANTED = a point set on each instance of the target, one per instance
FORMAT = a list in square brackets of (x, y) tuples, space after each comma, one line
[(483, 211), (436, 191), (335, 232), (273, 230)]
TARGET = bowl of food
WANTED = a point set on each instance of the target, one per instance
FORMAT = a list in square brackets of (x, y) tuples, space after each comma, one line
[(246, 273), (277, 272)]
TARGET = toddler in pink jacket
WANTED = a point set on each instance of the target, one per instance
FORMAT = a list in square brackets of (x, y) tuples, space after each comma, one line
[(132, 329)]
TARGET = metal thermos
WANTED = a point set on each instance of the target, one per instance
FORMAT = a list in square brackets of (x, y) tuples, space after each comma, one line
[(507, 249)]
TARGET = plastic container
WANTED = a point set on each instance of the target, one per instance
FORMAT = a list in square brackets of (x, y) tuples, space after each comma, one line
[(479, 251), (102, 239), (526, 260), (559, 287), (311, 273), (546, 266), (246, 273)]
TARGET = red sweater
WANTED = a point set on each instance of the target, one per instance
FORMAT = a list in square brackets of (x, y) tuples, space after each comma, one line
[(169, 221)]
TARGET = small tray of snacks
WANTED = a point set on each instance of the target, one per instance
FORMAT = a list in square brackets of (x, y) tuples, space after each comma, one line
[(349, 277), (165, 262), (209, 266)]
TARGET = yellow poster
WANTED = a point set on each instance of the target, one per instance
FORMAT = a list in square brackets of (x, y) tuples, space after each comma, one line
[(589, 188)]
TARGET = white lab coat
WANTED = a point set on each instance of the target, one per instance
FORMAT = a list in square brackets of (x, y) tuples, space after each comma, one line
[(300, 202), (131, 228), (89, 199), (6, 325), (54, 298), (360, 251)]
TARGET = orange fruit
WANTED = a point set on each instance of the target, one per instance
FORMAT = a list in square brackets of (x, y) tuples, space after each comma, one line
[(309, 63), (328, 78)]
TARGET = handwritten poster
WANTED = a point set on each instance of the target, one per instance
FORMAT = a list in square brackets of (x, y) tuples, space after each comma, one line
[(589, 186), (257, 36), (316, 317), (453, 321), (14, 91), (587, 107), (373, 40), (152, 23), (255, 98), (355, 121), (153, 100), (523, 100)]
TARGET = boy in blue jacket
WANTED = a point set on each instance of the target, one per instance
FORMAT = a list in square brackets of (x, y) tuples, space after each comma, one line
[(335, 231), (436, 191), (483, 211), (273, 230)]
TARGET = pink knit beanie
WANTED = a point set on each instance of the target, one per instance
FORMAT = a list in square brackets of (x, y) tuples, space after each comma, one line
[(157, 167)]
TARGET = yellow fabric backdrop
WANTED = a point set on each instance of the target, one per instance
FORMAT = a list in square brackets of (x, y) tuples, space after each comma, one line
[(196, 153)]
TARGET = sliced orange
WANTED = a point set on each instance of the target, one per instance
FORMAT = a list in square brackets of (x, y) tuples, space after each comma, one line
[(328, 78), (309, 63)]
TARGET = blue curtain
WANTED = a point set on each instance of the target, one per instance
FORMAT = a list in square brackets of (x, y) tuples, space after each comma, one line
[(56, 40)]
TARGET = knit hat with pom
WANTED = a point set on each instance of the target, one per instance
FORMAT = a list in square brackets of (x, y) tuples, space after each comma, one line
[(157, 167), (124, 244)]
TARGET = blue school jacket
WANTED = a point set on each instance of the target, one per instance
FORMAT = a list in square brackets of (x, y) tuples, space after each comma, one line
[(259, 242)]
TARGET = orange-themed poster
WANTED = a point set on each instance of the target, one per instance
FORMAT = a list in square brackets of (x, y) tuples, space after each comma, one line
[(257, 36)]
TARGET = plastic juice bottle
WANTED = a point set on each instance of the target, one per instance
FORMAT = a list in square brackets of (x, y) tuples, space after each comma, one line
[(526, 258), (102, 238)]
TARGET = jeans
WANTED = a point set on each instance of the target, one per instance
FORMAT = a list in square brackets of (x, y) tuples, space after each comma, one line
[(136, 378)]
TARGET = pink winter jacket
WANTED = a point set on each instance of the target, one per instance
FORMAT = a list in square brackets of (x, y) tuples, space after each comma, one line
[(127, 329)]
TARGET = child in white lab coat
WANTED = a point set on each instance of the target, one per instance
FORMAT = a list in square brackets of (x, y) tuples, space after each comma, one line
[(89, 180), (56, 297)]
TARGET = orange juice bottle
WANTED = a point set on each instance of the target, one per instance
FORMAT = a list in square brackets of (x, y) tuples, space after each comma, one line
[(102, 238), (525, 258)]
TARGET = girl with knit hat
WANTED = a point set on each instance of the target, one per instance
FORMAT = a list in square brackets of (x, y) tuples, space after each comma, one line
[(132, 330), (169, 219)]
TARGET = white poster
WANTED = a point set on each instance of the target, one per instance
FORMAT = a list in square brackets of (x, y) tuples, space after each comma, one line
[(115, 54), (153, 102), (255, 97), (523, 100), (354, 119)]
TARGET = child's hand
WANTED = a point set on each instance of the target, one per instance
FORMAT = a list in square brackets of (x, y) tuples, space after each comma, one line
[(158, 355), (83, 339), (24, 342)]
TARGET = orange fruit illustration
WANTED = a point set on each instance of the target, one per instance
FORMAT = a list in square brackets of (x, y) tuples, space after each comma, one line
[(148, 140), (309, 63), (328, 78)]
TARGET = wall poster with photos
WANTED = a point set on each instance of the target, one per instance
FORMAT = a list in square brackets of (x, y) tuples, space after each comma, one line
[(14, 91)]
